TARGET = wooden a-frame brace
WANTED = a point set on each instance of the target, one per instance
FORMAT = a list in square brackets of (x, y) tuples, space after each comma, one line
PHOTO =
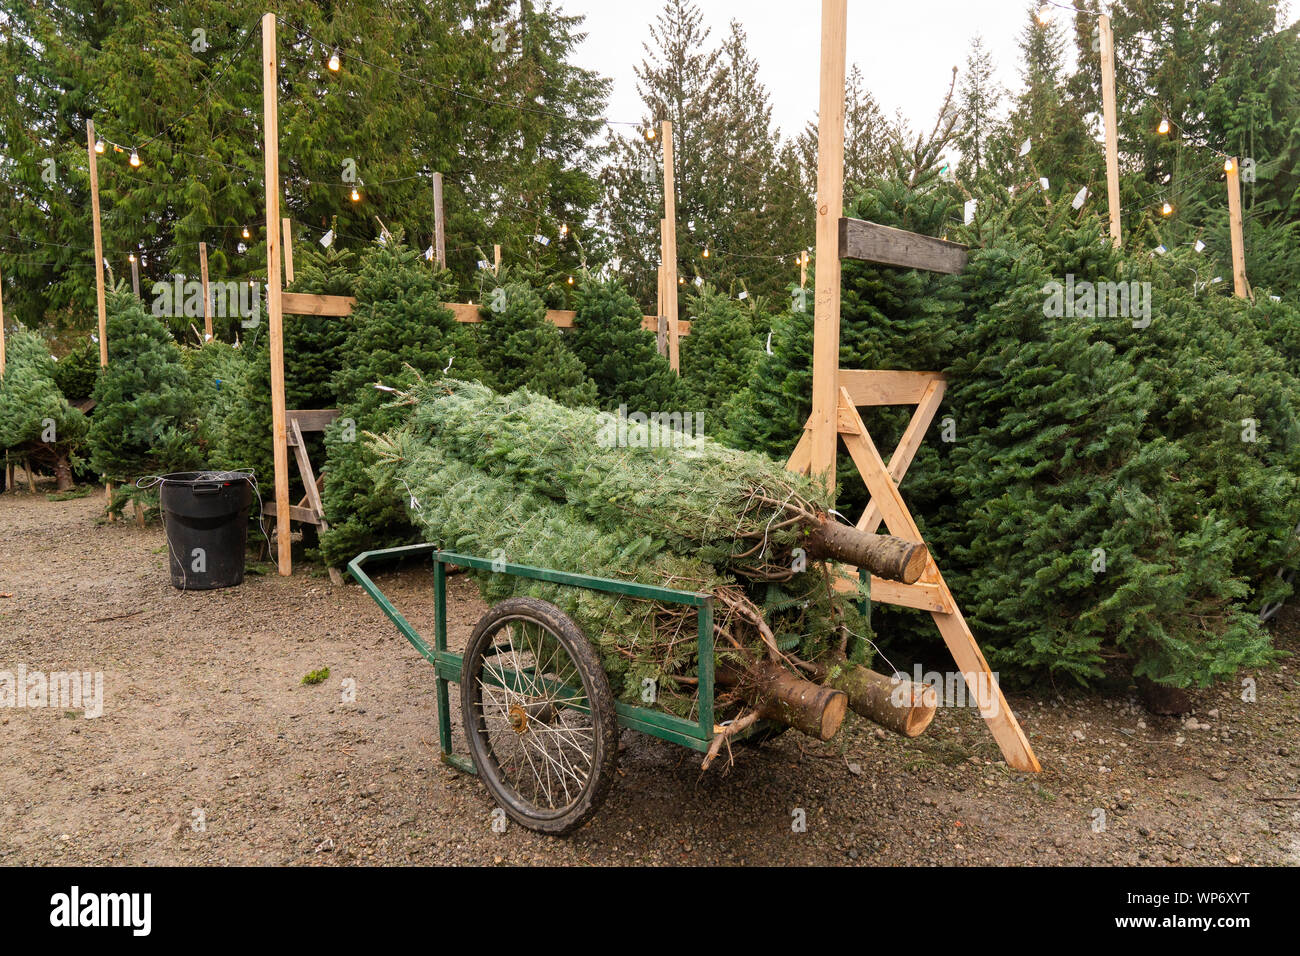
[(925, 391), (837, 393)]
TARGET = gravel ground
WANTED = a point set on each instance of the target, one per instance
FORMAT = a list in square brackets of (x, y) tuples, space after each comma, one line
[(211, 751)]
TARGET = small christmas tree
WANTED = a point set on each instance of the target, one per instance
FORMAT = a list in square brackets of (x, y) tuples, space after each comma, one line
[(770, 413), (719, 355), (36, 421), (317, 342), (241, 436), (398, 330), (76, 372), (618, 352), (145, 411), (521, 349), (216, 371)]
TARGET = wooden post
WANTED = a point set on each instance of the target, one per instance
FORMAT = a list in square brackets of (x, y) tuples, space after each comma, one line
[(279, 434), (1241, 288), (830, 208), (670, 248), (207, 296), (99, 245), (288, 251), (661, 320), (496, 260), (135, 274), (803, 269), (101, 306), (439, 223), (1112, 134)]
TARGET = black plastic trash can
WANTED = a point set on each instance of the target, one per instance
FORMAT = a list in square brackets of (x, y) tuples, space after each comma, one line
[(206, 517)]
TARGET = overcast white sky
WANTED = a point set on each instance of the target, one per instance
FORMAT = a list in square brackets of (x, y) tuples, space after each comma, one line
[(906, 48)]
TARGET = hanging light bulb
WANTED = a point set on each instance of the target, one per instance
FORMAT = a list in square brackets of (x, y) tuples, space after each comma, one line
[(135, 159), (706, 253), (650, 132), (1229, 165), (131, 258), (564, 230), (246, 232), (1045, 14), (570, 280), (99, 146), (1163, 128), (356, 196), (1167, 209), (334, 63)]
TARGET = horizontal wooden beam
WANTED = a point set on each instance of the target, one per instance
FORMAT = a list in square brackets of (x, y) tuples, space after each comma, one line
[(884, 387), (922, 595), (885, 245), (303, 303), (301, 515), (312, 419)]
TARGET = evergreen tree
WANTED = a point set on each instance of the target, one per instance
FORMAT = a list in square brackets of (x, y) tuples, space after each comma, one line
[(718, 356), (76, 372), (980, 100), (868, 139), (145, 411), (683, 81), (519, 348), (36, 421), (399, 332), (216, 371), (315, 342), (769, 414), (241, 437), (618, 353)]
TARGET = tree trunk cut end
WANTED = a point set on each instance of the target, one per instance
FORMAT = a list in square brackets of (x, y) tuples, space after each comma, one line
[(884, 555)]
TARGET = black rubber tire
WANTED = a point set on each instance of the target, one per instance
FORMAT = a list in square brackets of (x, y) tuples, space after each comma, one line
[(596, 688)]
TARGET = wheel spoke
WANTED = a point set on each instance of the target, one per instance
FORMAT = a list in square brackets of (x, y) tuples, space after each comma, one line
[(536, 720)]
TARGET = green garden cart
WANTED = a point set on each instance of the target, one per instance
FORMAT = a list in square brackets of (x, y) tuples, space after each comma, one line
[(539, 716)]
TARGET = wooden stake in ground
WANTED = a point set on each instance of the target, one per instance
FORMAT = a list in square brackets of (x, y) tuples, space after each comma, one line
[(439, 223), (279, 434), (135, 274), (1112, 135), (288, 251), (670, 247), (830, 207), (101, 306), (661, 320), (496, 260), (1241, 287), (207, 296)]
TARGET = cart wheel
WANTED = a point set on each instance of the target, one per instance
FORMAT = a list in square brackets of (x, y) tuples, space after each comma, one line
[(539, 715)]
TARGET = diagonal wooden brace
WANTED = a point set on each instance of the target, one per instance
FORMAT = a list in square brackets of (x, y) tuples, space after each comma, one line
[(931, 592)]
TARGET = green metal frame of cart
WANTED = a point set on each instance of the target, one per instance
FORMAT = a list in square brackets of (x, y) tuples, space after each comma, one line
[(697, 735)]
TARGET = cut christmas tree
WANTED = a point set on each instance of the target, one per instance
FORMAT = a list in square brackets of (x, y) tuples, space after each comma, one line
[(521, 479)]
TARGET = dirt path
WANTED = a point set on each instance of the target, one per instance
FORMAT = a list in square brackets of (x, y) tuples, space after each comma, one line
[(205, 720)]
